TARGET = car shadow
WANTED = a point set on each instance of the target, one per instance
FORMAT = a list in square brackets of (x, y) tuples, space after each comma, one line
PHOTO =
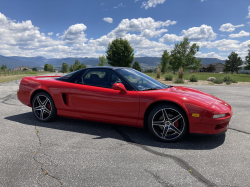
[(123, 133)]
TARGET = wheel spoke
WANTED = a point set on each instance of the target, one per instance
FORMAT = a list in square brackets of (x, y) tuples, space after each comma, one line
[(46, 110), (165, 132), (176, 118), (39, 101), (45, 102), (37, 108), (158, 123), (41, 114), (165, 115), (175, 129)]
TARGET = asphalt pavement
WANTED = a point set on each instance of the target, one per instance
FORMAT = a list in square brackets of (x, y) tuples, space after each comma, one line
[(69, 152)]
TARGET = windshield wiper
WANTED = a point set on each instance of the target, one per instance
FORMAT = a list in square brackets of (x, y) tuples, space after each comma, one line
[(151, 89)]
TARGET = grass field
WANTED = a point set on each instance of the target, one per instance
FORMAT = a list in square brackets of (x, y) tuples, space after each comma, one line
[(8, 78), (204, 76)]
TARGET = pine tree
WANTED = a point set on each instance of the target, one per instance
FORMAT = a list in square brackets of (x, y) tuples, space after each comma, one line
[(136, 66)]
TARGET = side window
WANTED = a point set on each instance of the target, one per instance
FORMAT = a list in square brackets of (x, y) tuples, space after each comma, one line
[(98, 78), (78, 77), (115, 79), (101, 78)]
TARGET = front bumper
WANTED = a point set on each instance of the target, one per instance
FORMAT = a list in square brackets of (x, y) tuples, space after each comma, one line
[(209, 129), (208, 125)]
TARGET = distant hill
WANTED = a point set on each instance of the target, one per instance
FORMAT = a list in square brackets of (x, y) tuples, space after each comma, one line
[(39, 61), (211, 60)]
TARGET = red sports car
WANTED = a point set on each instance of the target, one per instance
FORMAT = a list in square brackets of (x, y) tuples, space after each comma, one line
[(125, 96)]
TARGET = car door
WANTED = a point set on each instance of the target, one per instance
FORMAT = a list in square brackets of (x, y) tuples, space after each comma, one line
[(95, 98)]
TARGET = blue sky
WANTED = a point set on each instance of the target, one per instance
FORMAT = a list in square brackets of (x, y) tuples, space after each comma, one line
[(62, 28)]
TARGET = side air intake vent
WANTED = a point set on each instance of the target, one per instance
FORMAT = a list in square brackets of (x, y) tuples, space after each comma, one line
[(64, 98)]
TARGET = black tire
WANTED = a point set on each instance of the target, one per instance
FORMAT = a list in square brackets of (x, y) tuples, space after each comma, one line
[(163, 127), (43, 110)]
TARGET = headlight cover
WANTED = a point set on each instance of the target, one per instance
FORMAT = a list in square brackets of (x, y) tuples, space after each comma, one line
[(219, 116)]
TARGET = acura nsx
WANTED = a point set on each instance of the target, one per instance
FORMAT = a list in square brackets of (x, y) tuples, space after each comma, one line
[(125, 96)]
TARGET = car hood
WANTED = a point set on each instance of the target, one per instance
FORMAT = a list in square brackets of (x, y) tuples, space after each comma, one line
[(194, 94)]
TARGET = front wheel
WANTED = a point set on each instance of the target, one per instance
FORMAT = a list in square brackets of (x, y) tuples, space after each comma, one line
[(43, 107), (168, 123)]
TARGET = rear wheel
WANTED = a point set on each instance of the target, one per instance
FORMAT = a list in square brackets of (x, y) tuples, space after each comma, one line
[(43, 107), (168, 123)]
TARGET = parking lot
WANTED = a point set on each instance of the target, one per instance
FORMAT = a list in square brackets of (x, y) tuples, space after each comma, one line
[(69, 152)]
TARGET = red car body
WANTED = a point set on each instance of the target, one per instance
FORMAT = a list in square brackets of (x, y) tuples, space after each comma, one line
[(131, 108)]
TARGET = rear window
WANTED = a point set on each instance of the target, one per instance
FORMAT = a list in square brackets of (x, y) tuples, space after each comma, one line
[(67, 76)]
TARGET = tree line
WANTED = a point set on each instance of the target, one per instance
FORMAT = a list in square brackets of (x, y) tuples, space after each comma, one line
[(120, 53), (4, 68)]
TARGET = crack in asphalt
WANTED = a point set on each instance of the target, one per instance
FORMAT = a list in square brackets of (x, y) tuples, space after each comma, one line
[(239, 131), (182, 163), (9, 97), (42, 164), (159, 179)]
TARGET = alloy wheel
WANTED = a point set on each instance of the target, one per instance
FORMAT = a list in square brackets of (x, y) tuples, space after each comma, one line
[(168, 123), (42, 107)]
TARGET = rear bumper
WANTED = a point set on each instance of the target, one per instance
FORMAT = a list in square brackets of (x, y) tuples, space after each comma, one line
[(23, 97)]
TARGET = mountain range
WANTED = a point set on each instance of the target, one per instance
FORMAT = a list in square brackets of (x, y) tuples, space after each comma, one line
[(39, 61)]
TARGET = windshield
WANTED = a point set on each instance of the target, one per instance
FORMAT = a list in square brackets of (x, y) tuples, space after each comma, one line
[(140, 80)]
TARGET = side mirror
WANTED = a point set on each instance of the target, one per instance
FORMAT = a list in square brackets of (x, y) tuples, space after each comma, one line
[(119, 86)]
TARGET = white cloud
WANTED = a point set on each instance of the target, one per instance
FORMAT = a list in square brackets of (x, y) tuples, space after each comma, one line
[(108, 19), (225, 45), (228, 27), (248, 23), (202, 0), (146, 28), (170, 38), (22, 37), (145, 47), (120, 5), (25, 39), (151, 3), (138, 25), (50, 33), (3, 19), (136, 0), (75, 34), (209, 55), (147, 33), (201, 33), (239, 35), (248, 16)]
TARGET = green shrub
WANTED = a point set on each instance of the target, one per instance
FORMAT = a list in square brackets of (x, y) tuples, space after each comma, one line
[(178, 81), (169, 77), (234, 81), (227, 78), (193, 78), (228, 83), (148, 71), (218, 81)]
